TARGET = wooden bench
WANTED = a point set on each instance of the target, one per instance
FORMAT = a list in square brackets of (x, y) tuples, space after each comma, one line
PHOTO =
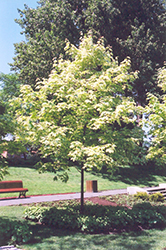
[(13, 187)]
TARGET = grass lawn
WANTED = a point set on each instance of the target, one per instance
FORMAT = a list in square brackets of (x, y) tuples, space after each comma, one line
[(53, 239), (44, 184)]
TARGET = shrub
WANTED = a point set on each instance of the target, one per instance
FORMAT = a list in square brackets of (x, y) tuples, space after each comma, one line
[(97, 219), (14, 231), (148, 216), (35, 213), (141, 196), (156, 197)]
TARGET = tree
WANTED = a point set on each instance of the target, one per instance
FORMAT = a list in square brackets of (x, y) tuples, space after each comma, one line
[(10, 88), (80, 116), (132, 28), (136, 29), (5, 127), (156, 111), (9, 85), (46, 29)]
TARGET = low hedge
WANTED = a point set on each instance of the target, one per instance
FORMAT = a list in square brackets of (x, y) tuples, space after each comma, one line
[(12, 231), (97, 219)]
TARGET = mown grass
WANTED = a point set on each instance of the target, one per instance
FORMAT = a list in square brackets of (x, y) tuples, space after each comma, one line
[(44, 183), (50, 238)]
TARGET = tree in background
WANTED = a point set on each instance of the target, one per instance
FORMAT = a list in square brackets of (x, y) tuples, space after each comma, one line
[(80, 116), (156, 111), (45, 29), (5, 128), (9, 87), (132, 28)]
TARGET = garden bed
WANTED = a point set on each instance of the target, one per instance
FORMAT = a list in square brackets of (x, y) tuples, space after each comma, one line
[(101, 215)]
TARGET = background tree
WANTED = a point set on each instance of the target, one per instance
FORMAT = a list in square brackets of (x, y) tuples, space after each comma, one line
[(133, 28), (9, 87), (80, 116), (45, 29), (156, 111), (5, 128)]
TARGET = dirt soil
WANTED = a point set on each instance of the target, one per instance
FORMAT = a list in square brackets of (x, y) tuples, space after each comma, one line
[(97, 200)]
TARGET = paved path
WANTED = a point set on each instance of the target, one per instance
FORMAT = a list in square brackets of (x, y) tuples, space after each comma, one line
[(56, 197)]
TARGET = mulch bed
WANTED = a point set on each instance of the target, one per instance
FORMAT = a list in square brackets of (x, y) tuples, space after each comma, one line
[(103, 202)]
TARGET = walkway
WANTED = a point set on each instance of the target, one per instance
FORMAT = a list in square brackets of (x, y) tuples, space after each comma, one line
[(57, 197)]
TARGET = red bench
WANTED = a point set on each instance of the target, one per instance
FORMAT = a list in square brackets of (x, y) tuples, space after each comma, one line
[(13, 187)]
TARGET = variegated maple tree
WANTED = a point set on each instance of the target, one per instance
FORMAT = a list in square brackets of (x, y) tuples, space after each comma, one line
[(80, 116), (156, 112)]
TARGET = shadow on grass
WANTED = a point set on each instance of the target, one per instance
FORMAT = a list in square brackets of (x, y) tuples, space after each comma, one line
[(51, 238), (135, 175)]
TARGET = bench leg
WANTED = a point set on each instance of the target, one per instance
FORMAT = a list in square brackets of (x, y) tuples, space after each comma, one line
[(22, 194)]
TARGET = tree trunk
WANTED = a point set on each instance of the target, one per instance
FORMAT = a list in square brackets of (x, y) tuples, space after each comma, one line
[(82, 191)]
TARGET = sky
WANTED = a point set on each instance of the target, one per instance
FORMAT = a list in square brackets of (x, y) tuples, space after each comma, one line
[(10, 30)]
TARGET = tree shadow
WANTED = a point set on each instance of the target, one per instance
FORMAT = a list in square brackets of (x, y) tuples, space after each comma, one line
[(53, 238), (135, 175)]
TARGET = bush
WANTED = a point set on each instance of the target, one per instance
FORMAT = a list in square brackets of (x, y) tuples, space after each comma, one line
[(14, 231), (141, 196), (148, 216), (97, 219), (156, 197)]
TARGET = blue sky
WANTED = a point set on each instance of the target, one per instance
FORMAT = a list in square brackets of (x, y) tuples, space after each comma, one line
[(9, 30)]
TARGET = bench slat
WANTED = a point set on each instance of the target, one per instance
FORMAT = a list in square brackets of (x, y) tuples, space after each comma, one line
[(12, 190), (11, 184)]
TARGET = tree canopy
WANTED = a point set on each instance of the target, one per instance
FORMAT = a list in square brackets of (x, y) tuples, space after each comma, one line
[(5, 128), (9, 86), (132, 28), (156, 111), (80, 116)]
